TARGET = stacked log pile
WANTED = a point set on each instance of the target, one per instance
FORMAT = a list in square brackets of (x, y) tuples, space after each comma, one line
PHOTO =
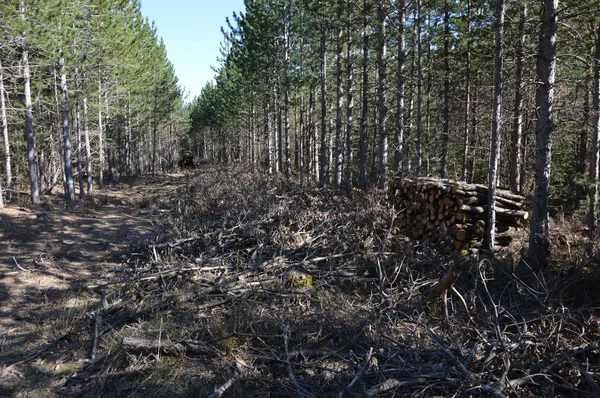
[(430, 207)]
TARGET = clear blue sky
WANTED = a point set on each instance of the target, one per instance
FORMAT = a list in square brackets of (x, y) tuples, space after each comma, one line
[(191, 30)]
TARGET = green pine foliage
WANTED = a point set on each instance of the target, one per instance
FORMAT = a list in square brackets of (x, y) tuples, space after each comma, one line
[(241, 111), (115, 61)]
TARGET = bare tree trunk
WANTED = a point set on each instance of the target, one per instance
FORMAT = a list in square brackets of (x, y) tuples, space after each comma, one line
[(323, 161), (446, 112), (365, 103), (6, 139), (474, 124), (496, 130), (301, 142), (399, 133), (595, 187), (33, 177), (154, 135), (100, 138), (339, 101), (268, 140), (79, 146), (349, 109), (517, 132), (110, 152), (465, 159), (419, 138), (286, 88), (279, 136), (70, 187), (539, 245), (382, 106), (312, 139), (88, 148), (128, 138)]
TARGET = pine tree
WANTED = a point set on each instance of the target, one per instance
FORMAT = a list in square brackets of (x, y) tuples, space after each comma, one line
[(539, 245)]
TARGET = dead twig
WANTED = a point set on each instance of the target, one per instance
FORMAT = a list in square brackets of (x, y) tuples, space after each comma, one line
[(364, 368), (221, 390), (175, 243), (19, 266), (155, 275), (143, 344), (461, 367)]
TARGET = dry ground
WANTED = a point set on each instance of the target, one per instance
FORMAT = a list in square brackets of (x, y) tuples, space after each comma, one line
[(50, 253), (256, 287)]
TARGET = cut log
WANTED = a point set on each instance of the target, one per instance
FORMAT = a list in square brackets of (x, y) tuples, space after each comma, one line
[(472, 209)]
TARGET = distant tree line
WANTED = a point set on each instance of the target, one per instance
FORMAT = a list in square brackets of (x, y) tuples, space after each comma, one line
[(87, 95)]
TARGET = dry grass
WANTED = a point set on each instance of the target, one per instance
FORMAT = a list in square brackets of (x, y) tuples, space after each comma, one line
[(258, 287)]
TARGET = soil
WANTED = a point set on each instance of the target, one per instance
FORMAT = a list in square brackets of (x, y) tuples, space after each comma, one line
[(48, 255)]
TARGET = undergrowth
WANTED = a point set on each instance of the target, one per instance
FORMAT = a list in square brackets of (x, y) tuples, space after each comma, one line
[(259, 287)]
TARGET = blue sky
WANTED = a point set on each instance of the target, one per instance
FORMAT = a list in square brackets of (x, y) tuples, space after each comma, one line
[(191, 30)]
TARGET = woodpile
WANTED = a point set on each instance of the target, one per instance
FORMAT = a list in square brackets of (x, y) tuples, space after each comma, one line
[(431, 207)]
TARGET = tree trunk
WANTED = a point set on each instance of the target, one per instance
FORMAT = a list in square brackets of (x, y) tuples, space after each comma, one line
[(446, 111), (323, 160), (313, 159), (539, 245), (301, 143), (365, 103), (595, 187), (79, 146), (6, 139), (70, 187), (128, 138), (339, 101), (517, 132), (496, 130), (110, 152), (100, 138), (268, 140), (399, 133), (154, 135), (278, 137), (286, 88), (88, 148), (465, 159), (349, 108), (419, 138), (382, 106), (33, 177)]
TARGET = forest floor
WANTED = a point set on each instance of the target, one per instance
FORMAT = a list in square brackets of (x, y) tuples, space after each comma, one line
[(221, 282), (49, 254)]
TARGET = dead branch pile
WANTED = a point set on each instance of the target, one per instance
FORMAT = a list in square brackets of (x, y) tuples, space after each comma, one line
[(430, 206), (263, 288)]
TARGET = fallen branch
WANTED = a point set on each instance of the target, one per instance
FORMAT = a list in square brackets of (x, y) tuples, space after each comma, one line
[(221, 390), (19, 266), (142, 344), (176, 242), (461, 367), (155, 276), (152, 212), (366, 366)]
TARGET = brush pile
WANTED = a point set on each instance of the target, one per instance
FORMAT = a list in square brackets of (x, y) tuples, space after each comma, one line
[(429, 207)]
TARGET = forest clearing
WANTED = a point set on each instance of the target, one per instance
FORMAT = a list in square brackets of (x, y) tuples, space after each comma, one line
[(245, 286), (371, 198)]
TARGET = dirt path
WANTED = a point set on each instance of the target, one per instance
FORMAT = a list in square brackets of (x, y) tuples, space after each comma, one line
[(49, 253)]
